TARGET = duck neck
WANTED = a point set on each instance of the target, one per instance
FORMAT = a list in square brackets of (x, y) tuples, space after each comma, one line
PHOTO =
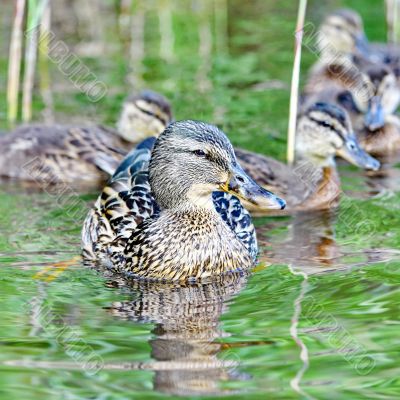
[(314, 162), (330, 55), (194, 206), (315, 173)]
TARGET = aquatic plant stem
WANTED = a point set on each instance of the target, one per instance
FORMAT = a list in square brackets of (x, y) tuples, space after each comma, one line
[(14, 64), (392, 8), (294, 91), (44, 70), (137, 48), (35, 13)]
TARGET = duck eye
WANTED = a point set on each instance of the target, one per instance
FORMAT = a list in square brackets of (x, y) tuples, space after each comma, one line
[(325, 124), (351, 145), (199, 153)]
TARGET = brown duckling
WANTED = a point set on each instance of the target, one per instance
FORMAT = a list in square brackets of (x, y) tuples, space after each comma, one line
[(333, 83), (374, 121), (54, 154), (341, 34), (345, 60), (383, 142), (324, 132)]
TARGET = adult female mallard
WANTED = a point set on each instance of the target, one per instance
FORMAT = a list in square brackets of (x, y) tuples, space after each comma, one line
[(53, 154), (158, 217), (324, 132)]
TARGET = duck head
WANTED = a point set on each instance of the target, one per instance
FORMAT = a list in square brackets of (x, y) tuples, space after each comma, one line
[(385, 98), (192, 159), (342, 33), (358, 84), (144, 115), (324, 132)]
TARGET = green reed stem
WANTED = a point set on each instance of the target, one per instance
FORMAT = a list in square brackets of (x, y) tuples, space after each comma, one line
[(14, 64), (294, 91)]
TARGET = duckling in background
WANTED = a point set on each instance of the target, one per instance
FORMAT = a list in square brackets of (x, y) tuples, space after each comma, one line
[(158, 218), (334, 83), (378, 128), (345, 56), (143, 116), (53, 154), (339, 40), (371, 101), (342, 35), (323, 133)]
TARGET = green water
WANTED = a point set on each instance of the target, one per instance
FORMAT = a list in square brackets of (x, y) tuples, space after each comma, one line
[(319, 318)]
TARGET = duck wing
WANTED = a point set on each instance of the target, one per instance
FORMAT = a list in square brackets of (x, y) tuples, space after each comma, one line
[(238, 219), (60, 153), (124, 203), (292, 184)]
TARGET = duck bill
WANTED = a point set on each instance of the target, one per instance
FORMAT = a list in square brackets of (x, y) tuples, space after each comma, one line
[(375, 117), (246, 189), (354, 154)]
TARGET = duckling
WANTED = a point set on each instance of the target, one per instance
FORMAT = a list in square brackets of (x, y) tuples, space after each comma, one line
[(375, 123), (54, 154), (338, 40), (324, 132), (383, 142), (342, 34), (333, 83), (158, 218), (371, 98), (344, 59)]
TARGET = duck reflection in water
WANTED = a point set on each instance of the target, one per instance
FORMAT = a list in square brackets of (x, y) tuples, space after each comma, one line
[(189, 358), (309, 244)]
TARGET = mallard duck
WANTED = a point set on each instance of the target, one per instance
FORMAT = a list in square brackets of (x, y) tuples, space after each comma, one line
[(369, 92), (340, 41), (54, 154), (158, 217), (376, 125), (333, 83), (374, 121), (323, 133), (383, 142), (345, 59), (342, 34)]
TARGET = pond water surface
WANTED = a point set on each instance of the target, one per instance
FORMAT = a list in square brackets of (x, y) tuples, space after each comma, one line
[(318, 318)]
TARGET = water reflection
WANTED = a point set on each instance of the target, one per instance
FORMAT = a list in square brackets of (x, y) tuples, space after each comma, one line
[(373, 183), (188, 356), (387, 179), (309, 243)]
